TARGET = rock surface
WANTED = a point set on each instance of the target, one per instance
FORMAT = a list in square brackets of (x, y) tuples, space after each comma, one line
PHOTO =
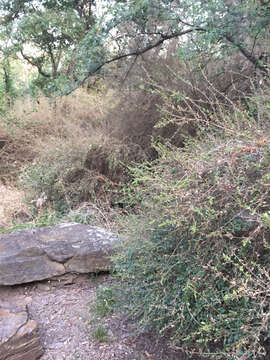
[(19, 336), (38, 254)]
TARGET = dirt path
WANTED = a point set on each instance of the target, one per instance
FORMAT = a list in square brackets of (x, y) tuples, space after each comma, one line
[(64, 313)]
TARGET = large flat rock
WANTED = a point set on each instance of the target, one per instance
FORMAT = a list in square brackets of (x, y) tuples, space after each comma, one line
[(38, 254), (19, 335)]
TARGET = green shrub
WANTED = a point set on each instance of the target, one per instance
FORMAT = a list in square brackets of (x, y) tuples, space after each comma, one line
[(200, 272), (105, 301)]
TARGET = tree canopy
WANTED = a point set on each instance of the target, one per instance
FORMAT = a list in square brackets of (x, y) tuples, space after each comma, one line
[(74, 39)]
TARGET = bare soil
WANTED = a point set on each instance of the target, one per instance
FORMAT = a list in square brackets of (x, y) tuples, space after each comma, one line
[(64, 311)]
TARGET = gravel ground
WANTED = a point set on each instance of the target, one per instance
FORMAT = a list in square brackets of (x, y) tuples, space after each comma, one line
[(64, 311)]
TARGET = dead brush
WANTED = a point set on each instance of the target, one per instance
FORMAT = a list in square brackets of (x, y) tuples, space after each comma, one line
[(12, 206), (69, 176), (178, 97), (36, 127), (111, 158), (72, 155), (200, 107)]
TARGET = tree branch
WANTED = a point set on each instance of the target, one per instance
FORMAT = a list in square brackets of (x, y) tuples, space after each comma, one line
[(255, 61), (136, 53), (54, 67), (33, 63)]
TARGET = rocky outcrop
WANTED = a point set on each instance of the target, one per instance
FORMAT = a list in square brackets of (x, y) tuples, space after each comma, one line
[(38, 254), (19, 335)]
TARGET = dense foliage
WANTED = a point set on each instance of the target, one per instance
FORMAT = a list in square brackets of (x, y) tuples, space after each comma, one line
[(72, 40), (199, 270)]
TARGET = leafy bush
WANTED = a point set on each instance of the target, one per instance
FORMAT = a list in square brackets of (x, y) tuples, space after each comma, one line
[(105, 301), (200, 271)]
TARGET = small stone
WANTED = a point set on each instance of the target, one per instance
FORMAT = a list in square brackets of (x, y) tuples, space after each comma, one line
[(43, 287), (66, 279)]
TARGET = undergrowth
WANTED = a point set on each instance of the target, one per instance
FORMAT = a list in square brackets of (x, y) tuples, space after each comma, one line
[(103, 307), (198, 267), (199, 272), (64, 151), (100, 334), (105, 301)]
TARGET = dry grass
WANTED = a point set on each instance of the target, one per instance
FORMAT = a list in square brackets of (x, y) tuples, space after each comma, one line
[(12, 206), (76, 119), (78, 148), (67, 125), (73, 154)]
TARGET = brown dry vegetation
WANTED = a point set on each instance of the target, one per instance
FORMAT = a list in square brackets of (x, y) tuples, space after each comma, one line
[(12, 206), (77, 149), (77, 152), (57, 134), (48, 124)]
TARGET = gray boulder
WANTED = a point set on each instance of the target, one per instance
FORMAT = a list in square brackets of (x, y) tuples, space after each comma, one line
[(19, 336), (38, 254)]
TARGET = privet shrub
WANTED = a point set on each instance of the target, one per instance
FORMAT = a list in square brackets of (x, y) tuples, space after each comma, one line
[(200, 272)]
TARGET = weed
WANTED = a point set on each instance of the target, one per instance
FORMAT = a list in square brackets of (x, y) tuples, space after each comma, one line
[(100, 334), (105, 301)]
